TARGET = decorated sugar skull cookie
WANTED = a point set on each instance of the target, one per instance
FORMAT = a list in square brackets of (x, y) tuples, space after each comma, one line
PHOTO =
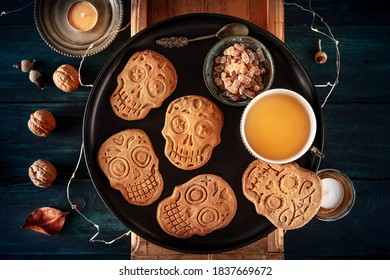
[(145, 82), (288, 195), (201, 205), (192, 129), (128, 160)]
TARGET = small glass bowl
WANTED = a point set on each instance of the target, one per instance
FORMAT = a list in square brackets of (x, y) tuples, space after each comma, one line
[(341, 210), (218, 48)]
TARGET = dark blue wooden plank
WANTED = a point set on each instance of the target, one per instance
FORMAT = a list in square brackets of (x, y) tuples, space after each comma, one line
[(362, 234), (357, 139), (336, 13), (364, 61), (73, 240), (22, 17), (20, 148), (15, 85)]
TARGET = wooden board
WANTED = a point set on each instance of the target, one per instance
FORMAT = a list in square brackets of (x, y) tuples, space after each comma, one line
[(268, 14), (267, 248), (265, 13)]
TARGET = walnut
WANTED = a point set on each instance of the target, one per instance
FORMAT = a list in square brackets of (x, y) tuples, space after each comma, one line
[(42, 173), (41, 123), (66, 78)]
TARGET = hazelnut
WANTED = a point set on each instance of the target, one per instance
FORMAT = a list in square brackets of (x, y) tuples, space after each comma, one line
[(41, 123), (42, 173), (66, 78)]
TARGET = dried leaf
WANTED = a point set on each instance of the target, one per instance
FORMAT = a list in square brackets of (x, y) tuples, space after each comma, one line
[(46, 220)]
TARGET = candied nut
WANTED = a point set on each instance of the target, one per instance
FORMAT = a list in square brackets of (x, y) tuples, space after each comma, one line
[(66, 78), (227, 82), (244, 79), (250, 54), (238, 46), (41, 123), (42, 173), (256, 88), (241, 90), (245, 57), (218, 68), (250, 94), (260, 54), (218, 82), (229, 51)]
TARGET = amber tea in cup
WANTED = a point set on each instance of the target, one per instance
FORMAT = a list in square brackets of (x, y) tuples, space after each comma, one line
[(278, 126)]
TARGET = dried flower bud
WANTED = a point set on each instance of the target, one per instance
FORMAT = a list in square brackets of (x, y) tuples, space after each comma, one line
[(41, 123), (66, 78), (36, 78), (320, 57), (24, 65), (42, 173)]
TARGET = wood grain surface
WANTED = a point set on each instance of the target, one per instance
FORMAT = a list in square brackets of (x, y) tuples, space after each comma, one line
[(147, 12)]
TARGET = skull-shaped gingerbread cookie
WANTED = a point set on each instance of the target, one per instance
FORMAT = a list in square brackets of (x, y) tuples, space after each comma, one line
[(288, 195), (192, 129), (203, 204), (128, 160), (145, 82)]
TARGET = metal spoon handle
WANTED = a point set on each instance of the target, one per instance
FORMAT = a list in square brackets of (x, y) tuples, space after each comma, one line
[(202, 38), (179, 42)]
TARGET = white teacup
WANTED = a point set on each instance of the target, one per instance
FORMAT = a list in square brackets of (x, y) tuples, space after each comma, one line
[(278, 126)]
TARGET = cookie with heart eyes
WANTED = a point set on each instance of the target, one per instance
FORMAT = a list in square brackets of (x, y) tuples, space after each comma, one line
[(128, 160)]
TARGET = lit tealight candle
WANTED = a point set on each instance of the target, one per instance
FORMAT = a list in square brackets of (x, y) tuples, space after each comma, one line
[(82, 16), (333, 193)]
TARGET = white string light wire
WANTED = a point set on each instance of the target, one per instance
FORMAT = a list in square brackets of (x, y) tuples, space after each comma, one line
[(91, 46), (74, 207), (17, 10), (331, 37)]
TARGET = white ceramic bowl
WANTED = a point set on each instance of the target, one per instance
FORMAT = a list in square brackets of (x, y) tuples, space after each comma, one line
[(312, 124)]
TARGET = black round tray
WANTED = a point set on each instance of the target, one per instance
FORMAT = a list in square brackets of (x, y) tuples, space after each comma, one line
[(229, 159)]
